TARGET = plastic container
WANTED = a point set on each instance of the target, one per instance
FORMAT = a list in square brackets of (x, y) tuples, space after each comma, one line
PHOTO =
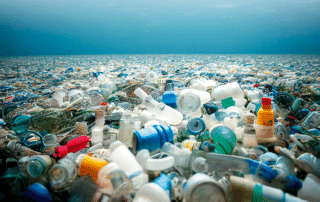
[(160, 110), (229, 90), (249, 137), (196, 126), (39, 165), (62, 174), (242, 189), (190, 101), (126, 129), (310, 190), (73, 146), (265, 122), (202, 188), (169, 96), (182, 161), (127, 162)]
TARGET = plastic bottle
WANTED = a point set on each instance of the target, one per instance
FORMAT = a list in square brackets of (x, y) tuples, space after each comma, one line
[(196, 126), (160, 110), (50, 142), (127, 128), (159, 191), (182, 161), (39, 165), (190, 101), (62, 174), (170, 96), (249, 137), (127, 162), (105, 174), (310, 190), (202, 188), (241, 189), (265, 122)]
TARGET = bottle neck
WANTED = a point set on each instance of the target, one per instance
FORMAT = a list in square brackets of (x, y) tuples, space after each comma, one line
[(266, 107)]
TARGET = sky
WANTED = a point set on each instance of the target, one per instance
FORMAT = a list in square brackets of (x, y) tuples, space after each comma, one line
[(78, 27)]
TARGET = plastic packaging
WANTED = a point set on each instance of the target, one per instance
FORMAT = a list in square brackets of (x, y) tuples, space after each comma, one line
[(126, 129)]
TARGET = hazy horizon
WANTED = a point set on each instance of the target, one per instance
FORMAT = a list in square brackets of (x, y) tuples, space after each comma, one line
[(78, 27)]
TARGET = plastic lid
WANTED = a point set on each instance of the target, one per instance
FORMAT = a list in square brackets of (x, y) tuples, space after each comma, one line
[(36, 192), (265, 101), (228, 102), (196, 126), (35, 168)]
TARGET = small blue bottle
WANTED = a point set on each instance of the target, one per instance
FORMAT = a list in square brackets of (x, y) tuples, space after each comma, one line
[(170, 96)]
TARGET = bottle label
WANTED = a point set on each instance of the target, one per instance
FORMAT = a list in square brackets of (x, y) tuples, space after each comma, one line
[(189, 145)]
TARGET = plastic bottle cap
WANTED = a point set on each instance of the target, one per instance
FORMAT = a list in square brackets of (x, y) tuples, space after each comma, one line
[(265, 101), (196, 126)]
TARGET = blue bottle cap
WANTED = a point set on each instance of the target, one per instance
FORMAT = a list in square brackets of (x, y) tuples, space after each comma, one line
[(36, 192), (196, 126)]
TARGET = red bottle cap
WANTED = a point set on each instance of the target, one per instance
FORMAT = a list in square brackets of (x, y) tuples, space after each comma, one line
[(78, 143), (60, 152), (256, 85), (265, 101)]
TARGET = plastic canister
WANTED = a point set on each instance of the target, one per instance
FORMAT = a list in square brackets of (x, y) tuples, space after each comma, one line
[(202, 188)]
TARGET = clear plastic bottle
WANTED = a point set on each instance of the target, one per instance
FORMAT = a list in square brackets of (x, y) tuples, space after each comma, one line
[(127, 128), (249, 137)]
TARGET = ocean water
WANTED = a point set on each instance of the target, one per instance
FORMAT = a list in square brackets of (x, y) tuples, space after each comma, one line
[(79, 27)]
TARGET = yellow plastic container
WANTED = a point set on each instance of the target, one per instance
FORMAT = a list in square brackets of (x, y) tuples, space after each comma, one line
[(265, 122)]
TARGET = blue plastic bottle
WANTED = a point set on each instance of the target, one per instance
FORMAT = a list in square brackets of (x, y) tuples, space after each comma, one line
[(170, 96)]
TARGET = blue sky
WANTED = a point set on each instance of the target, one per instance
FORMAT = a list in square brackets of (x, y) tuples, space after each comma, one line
[(57, 27)]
